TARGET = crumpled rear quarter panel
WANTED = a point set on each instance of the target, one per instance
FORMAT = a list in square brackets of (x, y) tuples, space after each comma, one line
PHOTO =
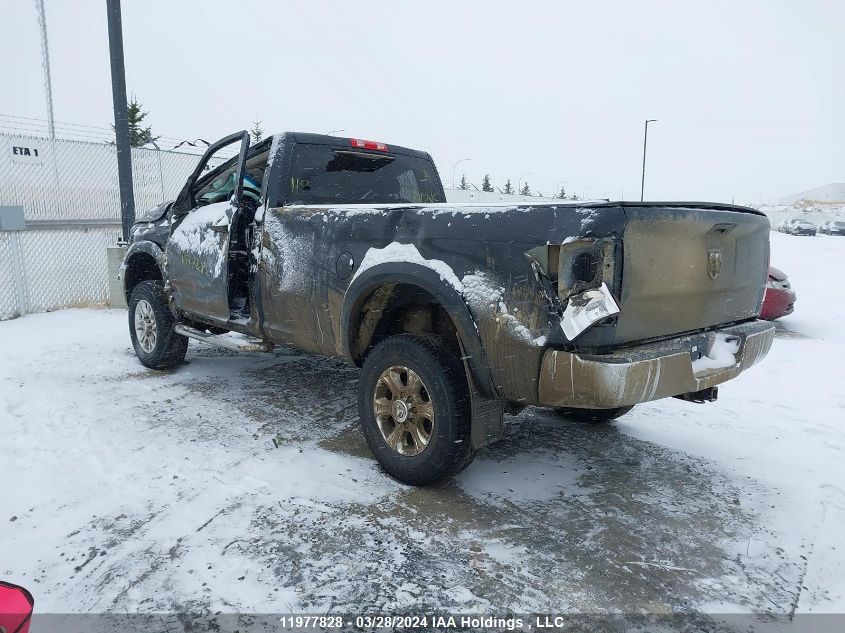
[(484, 246)]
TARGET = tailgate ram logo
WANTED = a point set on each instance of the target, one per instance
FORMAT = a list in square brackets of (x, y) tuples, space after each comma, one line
[(714, 262)]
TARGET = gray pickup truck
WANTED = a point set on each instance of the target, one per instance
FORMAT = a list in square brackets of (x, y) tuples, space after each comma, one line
[(456, 313)]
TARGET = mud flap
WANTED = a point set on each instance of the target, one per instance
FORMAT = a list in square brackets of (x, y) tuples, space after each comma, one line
[(487, 414)]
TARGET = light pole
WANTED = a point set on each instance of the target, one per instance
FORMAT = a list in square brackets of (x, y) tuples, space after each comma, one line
[(645, 144), (121, 118), (519, 181), (453, 169)]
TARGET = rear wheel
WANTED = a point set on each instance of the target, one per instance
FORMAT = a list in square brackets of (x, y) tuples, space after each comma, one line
[(151, 323), (413, 402), (593, 416)]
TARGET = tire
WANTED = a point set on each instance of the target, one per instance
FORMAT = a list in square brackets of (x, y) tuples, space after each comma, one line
[(593, 416), (149, 311), (409, 376)]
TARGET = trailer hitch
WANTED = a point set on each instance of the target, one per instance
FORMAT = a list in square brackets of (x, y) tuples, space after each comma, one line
[(700, 397)]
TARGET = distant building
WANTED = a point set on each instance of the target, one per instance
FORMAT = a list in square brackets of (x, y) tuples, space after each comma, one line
[(834, 192)]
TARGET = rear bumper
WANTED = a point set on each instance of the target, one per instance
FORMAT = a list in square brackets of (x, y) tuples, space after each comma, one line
[(646, 372)]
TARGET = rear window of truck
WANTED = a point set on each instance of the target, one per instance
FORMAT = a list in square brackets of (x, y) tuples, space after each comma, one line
[(320, 174)]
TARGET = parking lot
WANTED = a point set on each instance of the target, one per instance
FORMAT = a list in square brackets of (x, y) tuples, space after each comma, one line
[(241, 483)]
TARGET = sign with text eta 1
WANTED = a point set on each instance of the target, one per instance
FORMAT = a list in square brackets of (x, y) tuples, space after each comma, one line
[(26, 150)]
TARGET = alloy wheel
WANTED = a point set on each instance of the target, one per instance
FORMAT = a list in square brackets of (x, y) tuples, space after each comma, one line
[(404, 411), (145, 326)]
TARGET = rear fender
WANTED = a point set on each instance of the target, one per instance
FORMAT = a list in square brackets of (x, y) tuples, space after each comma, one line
[(367, 282)]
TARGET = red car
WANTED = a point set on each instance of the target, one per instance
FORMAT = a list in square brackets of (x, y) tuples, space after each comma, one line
[(779, 299)]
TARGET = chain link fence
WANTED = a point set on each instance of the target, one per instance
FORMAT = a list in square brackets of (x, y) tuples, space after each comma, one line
[(70, 196), (9, 303)]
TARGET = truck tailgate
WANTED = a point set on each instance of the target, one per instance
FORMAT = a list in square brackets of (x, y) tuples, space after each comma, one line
[(687, 268)]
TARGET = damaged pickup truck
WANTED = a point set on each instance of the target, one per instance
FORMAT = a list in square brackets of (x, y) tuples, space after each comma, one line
[(455, 313)]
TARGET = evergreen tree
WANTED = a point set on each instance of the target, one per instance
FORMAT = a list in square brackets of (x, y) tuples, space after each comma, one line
[(525, 191), (562, 193), (508, 187), (464, 184), (138, 135), (485, 183), (256, 132), (574, 197)]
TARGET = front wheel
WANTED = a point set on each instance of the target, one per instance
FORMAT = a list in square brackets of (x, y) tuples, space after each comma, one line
[(151, 322), (414, 406), (592, 416)]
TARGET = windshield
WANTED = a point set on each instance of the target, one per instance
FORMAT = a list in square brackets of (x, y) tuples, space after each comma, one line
[(221, 186), (320, 174)]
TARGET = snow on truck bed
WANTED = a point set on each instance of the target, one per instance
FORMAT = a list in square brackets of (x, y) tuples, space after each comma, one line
[(241, 483)]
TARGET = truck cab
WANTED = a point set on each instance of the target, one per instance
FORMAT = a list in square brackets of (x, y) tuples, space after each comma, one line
[(217, 222)]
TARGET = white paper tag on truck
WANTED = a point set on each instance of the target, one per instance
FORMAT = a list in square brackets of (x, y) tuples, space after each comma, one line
[(587, 308)]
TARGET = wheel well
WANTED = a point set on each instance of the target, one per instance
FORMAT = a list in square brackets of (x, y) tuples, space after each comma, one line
[(141, 267), (397, 308)]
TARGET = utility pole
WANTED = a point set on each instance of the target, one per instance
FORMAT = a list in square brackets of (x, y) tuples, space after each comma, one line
[(45, 61), (645, 144), (121, 119)]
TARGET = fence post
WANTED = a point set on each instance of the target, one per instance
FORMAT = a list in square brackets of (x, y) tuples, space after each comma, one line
[(17, 267), (114, 259), (12, 221)]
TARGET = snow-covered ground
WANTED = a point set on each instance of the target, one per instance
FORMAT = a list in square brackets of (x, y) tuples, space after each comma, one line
[(241, 483)]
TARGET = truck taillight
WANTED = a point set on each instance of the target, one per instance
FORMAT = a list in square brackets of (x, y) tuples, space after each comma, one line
[(374, 145)]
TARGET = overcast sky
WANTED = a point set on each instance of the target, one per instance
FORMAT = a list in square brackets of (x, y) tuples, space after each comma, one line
[(749, 96)]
